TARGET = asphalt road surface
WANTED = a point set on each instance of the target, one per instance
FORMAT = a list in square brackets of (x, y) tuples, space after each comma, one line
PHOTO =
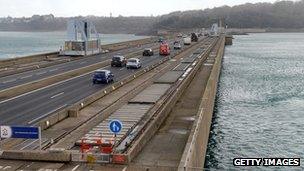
[(29, 76), (31, 107)]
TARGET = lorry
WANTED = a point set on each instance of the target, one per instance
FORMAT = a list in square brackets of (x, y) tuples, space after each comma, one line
[(164, 49)]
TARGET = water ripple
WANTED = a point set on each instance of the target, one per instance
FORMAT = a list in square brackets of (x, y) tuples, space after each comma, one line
[(260, 101)]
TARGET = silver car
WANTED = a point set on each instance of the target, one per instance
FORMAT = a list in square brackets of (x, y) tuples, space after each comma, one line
[(133, 63)]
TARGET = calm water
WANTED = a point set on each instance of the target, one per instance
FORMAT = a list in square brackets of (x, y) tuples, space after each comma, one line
[(16, 44), (260, 104)]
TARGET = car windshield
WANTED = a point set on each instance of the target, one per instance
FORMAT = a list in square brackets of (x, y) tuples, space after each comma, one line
[(100, 73), (132, 60), (116, 58)]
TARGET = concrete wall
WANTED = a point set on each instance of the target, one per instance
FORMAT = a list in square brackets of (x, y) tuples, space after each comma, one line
[(194, 154), (49, 156), (164, 109), (27, 59), (228, 40), (127, 44)]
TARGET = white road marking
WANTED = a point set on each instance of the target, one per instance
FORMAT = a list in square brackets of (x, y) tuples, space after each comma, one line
[(125, 168), (39, 73), (83, 62), (57, 95), (7, 167), (121, 69), (26, 77), (24, 147), (42, 116), (51, 70), (30, 164), (75, 168), (176, 66), (4, 101), (8, 81)]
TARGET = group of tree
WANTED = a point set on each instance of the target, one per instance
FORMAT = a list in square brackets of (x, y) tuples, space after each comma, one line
[(281, 14)]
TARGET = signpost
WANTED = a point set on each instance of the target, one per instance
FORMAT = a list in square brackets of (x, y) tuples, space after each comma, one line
[(24, 132), (115, 127)]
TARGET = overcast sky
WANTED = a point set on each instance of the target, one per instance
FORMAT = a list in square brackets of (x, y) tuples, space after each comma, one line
[(67, 8)]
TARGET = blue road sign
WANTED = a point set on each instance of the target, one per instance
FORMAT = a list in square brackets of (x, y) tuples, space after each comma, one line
[(19, 132), (115, 126)]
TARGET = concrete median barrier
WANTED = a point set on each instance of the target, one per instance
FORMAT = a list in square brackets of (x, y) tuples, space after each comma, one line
[(47, 156), (30, 68), (27, 59), (127, 44)]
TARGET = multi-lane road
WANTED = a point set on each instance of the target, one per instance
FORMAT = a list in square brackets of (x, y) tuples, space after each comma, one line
[(29, 108), (29, 76)]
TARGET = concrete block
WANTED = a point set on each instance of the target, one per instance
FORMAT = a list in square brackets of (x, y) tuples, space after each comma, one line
[(47, 156)]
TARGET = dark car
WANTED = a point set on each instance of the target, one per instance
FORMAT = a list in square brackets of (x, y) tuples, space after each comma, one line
[(148, 52), (103, 76), (194, 37), (160, 39), (118, 61)]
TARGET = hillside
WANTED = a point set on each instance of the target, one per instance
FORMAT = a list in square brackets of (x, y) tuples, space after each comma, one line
[(277, 16)]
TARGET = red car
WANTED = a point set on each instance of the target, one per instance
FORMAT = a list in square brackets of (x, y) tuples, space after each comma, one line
[(164, 49)]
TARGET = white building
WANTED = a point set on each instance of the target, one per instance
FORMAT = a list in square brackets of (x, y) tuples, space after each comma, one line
[(82, 39)]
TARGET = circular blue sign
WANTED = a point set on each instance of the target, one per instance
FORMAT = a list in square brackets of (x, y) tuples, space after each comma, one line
[(115, 126)]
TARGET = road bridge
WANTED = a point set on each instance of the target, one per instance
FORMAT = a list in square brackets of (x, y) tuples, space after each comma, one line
[(165, 107)]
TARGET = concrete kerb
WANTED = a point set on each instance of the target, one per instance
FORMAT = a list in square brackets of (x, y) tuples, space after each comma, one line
[(194, 152), (25, 59), (12, 72), (163, 111), (47, 156)]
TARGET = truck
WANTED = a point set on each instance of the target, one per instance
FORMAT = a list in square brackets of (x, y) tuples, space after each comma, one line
[(187, 41), (164, 49)]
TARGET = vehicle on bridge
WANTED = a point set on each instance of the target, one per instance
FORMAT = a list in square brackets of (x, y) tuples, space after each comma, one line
[(148, 52), (164, 49), (187, 41), (160, 39), (133, 63), (177, 45), (194, 37), (118, 61), (103, 76)]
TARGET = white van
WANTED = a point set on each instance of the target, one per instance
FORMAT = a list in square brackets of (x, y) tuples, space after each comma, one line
[(187, 41)]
